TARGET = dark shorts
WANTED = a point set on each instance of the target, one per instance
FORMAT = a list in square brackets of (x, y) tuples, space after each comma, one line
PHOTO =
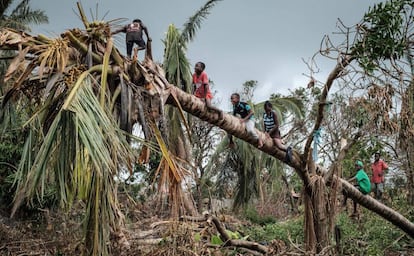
[(378, 187), (130, 45)]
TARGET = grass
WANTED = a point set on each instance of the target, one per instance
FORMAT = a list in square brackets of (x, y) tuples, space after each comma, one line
[(368, 235)]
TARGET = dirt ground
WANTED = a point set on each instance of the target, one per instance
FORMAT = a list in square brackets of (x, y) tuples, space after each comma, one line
[(44, 232)]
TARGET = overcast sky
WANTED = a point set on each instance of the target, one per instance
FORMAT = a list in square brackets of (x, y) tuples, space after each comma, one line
[(241, 40)]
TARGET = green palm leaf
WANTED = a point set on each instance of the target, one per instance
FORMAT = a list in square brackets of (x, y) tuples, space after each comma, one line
[(176, 65), (282, 105), (21, 15), (194, 22), (80, 153)]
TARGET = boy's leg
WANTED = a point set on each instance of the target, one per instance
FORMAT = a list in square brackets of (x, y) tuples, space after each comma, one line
[(355, 212), (279, 144), (288, 157), (345, 199), (289, 154), (141, 44), (380, 190), (129, 45), (377, 191), (252, 132)]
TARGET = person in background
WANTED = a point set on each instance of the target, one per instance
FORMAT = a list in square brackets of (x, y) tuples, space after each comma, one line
[(271, 127), (362, 184), (134, 35), (246, 116), (201, 87), (378, 168)]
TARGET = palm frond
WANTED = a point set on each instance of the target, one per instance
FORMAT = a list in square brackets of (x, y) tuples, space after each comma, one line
[(4, 5), (53, 55), (166, 155), (83, 127), (22, 15), (290, 104), (282, 105), (248, 173), (194, 22), (105, 66), (81, 153), (176, 64)]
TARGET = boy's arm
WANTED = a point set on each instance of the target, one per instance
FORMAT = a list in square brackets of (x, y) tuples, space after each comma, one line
[(119, 30), (384, 165), (206, 88), (146, 32), (352, 179), (250, 113)]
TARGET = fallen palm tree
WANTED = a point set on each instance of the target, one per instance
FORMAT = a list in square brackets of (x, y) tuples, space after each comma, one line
[(82, 97)]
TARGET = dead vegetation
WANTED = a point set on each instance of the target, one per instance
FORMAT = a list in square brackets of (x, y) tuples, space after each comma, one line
[(54, 232)]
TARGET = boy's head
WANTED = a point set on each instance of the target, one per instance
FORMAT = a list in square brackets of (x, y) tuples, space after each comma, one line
[(137, 21), (377, 156), (267, 106), (358, 164), (199, 67), (235, 98)]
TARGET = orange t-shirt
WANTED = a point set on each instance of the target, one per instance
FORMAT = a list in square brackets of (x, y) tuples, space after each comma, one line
[(378, 171), (199, 82)]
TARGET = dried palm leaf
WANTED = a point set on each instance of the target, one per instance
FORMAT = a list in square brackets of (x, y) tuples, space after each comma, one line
[(17, 64), (53, 55), (166, 154), (105, 66)]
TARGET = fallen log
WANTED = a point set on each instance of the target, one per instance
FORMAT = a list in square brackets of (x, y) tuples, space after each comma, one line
[(228, 241)]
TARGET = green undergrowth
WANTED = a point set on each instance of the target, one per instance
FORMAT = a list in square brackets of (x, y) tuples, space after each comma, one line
[(371, 235), (289, 230), (367, 235)]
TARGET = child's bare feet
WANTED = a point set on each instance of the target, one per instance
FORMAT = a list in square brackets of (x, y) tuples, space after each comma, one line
[(288, 157)]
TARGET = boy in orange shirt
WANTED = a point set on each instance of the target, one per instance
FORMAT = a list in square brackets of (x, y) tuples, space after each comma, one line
[(378, 167), (201, 87)]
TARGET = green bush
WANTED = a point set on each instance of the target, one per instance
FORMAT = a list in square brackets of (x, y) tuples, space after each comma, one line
[(252, 215), (290, 229), (370, 235), (11, 144)]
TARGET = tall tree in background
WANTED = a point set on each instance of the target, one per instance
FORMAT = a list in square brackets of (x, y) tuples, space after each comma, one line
[(368, 64), (387, 46), (21, 16)]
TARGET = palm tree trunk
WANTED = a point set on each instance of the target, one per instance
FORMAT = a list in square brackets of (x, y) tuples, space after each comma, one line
[(375, 206)]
